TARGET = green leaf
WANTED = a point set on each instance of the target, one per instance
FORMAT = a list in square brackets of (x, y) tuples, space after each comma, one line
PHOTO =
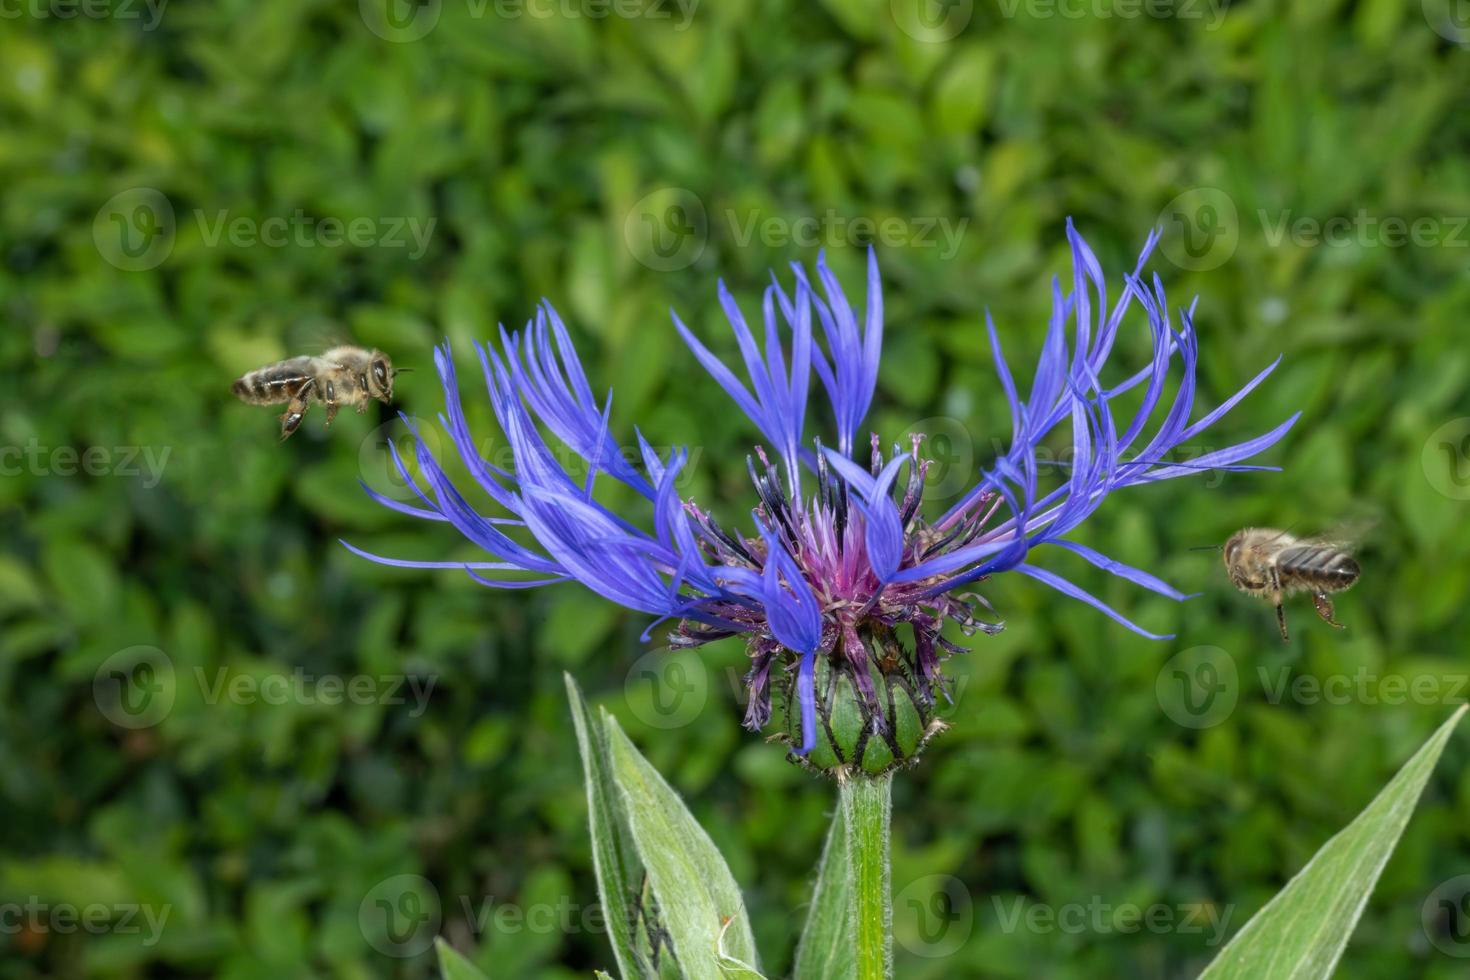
[(18, 588), (453, 966), (699, 903), (826, 950), (733, 969), (1301, 932), (614, 855)]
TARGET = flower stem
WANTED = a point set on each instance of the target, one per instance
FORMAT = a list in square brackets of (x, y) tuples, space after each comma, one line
[(866, 804)]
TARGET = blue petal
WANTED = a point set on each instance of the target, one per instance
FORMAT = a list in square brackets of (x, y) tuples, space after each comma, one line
[(791, 608), (1068, 589), (806, 696), (1134, 575)]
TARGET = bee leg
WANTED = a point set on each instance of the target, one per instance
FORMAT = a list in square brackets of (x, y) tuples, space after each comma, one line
[(291, 419), (1324, 609), (1281, 618), (329, 397), (362, 406), (296, 411)]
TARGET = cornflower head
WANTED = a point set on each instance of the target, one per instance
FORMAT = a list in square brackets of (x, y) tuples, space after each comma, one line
[(838, 554)]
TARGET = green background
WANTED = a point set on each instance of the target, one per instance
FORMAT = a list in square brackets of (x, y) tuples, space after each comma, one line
[(533, 139)]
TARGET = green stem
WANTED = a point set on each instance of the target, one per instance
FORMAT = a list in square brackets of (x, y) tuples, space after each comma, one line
[(866, 804)]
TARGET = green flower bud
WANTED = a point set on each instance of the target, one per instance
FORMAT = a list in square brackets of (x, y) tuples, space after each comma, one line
[(856, 734)]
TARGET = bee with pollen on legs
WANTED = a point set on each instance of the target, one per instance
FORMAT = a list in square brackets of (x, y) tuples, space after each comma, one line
[(344, 375), (1272, 564)]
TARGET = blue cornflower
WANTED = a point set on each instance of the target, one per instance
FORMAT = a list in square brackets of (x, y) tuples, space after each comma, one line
[(838, 554)]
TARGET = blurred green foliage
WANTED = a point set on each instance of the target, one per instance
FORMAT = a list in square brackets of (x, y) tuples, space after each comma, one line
[(532, 136)]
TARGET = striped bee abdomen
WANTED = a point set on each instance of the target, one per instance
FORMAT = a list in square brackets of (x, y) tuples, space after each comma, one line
[(1320, 566), (274, 384)]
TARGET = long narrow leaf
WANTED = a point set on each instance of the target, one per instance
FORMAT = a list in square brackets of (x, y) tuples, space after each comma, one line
[(614, 856), (699, 903), (453, 966), (1300, 934)]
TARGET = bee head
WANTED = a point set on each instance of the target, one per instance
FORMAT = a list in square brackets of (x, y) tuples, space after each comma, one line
[(380, 379), (1232, 547)]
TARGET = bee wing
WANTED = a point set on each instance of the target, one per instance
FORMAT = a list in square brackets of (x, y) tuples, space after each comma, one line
[(317, 335), (1346, 535)]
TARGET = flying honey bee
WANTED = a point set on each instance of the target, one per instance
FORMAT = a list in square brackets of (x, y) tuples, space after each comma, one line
[(1271, 564), (342, 376)]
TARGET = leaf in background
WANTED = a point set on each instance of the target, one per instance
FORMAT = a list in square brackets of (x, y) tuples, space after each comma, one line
[(826, 946), (18, 588), (699, 903), (1302, 931), (614, 854), (453, 966)]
